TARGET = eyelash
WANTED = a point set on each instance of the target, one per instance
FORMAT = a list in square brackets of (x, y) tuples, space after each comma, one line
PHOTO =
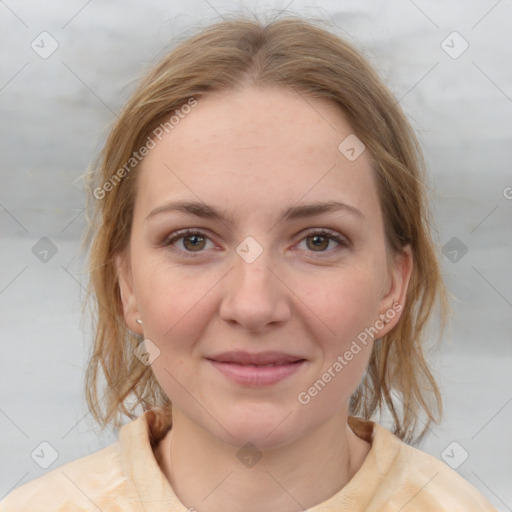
[(178, 235)]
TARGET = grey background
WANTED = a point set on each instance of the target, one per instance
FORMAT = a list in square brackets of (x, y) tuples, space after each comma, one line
[(55, 114)]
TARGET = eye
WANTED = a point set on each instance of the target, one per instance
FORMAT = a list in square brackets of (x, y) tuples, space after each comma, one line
[(318, 240), (194, 241)]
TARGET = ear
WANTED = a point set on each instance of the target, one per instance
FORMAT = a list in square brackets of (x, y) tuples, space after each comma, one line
[(393, 299), (126, 290)]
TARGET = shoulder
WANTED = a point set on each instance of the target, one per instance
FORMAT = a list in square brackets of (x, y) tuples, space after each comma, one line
[(93, 482), (425, 482)]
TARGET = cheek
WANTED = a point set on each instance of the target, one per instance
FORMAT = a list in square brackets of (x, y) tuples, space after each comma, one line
[(172, 300), (346, 305), (173, 306)]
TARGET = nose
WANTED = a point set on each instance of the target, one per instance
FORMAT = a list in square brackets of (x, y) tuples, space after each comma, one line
[(255, 296)]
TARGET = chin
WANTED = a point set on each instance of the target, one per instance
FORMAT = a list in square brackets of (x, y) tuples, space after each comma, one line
[(265, 428)]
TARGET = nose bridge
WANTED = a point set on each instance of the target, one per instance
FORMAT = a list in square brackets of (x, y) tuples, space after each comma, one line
[(254, 295), (251, 265)]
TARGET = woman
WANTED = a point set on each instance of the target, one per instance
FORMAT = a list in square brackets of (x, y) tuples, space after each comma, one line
[(264, 272)]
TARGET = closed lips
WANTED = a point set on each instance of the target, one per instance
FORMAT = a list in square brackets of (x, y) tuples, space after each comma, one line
[(261, 359), (255, 370), (269, 364)]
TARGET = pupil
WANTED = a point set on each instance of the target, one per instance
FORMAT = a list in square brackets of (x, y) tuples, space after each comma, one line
[(194, 240), (317, 240)]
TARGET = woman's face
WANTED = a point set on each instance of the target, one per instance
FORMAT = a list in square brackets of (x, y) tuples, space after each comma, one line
[(260, 278)]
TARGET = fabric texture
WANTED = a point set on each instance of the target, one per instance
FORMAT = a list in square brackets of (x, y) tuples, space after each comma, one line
[(125, 476)]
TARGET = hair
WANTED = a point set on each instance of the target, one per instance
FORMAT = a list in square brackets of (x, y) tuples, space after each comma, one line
[(297, 55)]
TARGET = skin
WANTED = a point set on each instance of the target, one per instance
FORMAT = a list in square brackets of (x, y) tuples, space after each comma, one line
[(251, 153)]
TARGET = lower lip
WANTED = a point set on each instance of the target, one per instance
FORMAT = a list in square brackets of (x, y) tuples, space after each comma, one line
[(257, 375)]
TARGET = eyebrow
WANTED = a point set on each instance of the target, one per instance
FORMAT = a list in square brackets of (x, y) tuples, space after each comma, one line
[(205, 211)]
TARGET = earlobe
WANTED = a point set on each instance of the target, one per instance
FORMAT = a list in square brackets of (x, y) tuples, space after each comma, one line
[(127, 293)]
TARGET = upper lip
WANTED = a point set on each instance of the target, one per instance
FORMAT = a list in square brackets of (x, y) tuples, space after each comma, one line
[(257, 358)]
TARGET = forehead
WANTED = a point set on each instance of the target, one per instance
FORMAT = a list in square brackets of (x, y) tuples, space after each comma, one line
[(259, 149)]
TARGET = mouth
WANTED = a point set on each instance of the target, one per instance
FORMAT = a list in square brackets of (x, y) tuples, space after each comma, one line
[(256, 369)]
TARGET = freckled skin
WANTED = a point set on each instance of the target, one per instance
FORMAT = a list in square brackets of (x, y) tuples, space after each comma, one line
[(254, 153)]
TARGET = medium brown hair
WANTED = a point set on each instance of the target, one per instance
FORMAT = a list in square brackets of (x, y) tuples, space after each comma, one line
[(298, 55)]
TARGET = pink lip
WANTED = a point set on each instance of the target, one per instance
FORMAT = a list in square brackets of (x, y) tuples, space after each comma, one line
[(257, 375), (245, 358)]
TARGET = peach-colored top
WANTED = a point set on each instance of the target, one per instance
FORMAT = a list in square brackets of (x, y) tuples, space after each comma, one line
[(125, 476)]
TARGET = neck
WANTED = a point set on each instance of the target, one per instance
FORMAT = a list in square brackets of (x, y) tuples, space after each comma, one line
[(206, 474)]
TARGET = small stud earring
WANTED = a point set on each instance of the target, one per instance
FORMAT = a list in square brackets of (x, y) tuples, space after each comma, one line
[(139, 321)]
